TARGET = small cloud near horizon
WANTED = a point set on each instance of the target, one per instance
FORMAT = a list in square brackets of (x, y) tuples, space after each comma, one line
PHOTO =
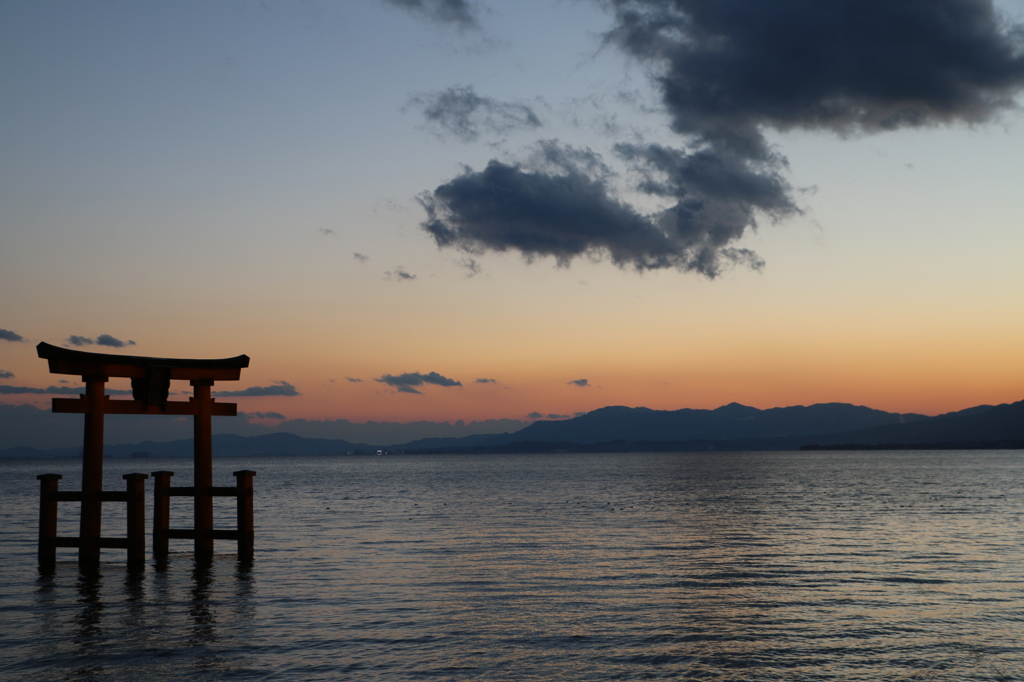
[(355, 380), (327, 232), (406, 383), (101, 340), (108, 340), (360, 257), (582, 383), (8, 335), (261, 415), (551, 415), (6, 374), (279, 388), (486, 381), (55, 390)]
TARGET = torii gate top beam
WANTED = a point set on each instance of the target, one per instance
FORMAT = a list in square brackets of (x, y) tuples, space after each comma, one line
[(82, 363)]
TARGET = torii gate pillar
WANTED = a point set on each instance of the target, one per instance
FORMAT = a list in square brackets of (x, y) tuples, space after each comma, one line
[(203, 465), (91, 520)]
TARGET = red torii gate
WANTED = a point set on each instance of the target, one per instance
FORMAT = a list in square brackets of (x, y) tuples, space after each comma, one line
[(151, 378)]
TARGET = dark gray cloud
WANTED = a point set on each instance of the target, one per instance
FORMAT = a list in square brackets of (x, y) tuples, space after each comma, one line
[(535, 415), (556, 416), (486, 381), (8, 335), (727, 72), (559, 204), (261, 415), (406, 383), (56, 390), (582, 383), (101, 340), (6, 374), (459, 111), (718, 196), (278, 388), (459, 13), (727, 69), (108, 340)]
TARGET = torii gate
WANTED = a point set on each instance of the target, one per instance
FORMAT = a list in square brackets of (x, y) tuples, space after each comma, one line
[(151, 378)]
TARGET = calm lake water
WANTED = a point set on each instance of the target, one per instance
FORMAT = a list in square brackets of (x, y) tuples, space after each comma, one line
[(718, 566)]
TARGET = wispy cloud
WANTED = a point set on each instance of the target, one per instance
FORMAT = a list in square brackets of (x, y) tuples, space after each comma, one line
[(6, 374), (360, 257), (471, 265), (406, 383), (278, 388), (8, 335), (461, 113), (486, 381), (354, 380), (582, 383), (458, 13), (399, 274)]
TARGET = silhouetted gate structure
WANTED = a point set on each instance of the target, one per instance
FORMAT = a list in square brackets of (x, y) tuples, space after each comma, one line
[(151, 378)]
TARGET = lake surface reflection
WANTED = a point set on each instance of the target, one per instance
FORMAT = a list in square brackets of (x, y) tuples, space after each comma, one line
[(724, 566)]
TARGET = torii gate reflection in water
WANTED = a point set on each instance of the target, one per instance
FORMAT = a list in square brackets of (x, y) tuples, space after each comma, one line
[(151, 378)]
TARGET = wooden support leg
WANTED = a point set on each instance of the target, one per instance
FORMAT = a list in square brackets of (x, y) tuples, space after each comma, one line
[(48, 520), (161, 513), (136, 484), (203, 466), (90, 525), (246, 535)]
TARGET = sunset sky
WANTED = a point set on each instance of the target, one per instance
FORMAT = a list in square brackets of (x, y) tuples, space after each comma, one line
[(432, 210)]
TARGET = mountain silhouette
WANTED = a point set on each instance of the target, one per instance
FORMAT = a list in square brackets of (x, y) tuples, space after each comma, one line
[(634, 429)]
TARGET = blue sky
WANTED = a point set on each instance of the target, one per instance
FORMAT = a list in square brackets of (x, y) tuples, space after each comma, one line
[(215, 178)]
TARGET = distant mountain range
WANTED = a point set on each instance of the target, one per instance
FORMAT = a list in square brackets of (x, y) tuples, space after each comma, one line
[(635, 429), (738, 427)]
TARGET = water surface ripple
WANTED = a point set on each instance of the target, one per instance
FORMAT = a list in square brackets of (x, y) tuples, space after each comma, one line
[(711, 566)]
